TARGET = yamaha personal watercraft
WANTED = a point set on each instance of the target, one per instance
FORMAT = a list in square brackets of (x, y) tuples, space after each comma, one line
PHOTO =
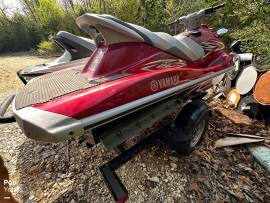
[(134, 79), (75, 48)]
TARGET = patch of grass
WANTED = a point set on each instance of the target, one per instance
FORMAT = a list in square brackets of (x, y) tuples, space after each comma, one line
[(47, 48)]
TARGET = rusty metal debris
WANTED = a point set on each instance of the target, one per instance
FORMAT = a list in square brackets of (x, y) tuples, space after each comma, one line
[(262, 89)]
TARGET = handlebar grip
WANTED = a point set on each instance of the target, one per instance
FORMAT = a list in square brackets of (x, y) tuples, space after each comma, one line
[(219, 6), (214, 8)]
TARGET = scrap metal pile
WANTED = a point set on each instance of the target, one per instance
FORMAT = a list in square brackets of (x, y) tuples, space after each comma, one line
[(248, 90)]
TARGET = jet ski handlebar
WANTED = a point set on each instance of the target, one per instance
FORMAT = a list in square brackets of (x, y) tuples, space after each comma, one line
[(193, 20), (214, 8)]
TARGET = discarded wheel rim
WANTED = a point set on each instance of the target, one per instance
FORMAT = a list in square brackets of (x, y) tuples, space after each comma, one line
[(248, 106), (246, 80), (262, 89), (233, 98)]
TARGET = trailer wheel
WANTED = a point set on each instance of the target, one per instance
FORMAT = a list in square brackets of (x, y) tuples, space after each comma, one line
[(188, 128)]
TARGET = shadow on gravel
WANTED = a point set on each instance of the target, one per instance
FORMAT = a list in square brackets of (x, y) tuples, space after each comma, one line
[(57, 173), (48, 174)]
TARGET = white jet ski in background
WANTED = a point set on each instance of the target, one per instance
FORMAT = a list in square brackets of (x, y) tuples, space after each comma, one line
[(75, 48)]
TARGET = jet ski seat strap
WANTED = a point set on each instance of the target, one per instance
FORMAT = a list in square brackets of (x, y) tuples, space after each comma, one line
[(116, 31)]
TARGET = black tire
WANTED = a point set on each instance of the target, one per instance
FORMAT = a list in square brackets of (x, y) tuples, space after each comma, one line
[(181, 136)]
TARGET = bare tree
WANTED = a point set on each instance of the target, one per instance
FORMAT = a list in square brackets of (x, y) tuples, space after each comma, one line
[(3, 11), (30, 6), (70, 4)]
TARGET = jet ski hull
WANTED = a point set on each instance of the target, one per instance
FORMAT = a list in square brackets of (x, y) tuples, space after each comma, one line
[(45, 122)]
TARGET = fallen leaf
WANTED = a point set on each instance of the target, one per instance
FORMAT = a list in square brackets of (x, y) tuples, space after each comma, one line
[(193, 187)]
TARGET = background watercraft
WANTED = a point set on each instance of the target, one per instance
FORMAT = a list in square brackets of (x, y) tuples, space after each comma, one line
[(74, 47)]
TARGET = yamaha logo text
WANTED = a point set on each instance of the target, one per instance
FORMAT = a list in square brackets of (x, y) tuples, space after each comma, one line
[(155, 85)]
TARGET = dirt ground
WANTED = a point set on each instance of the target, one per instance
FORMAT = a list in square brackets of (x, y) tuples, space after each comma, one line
[(10, 64), (68, 172)]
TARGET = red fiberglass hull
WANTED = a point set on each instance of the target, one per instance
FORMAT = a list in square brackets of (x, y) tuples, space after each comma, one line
[(158, 72)]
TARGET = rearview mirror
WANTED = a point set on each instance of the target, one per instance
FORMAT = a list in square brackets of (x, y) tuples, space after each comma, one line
[(222, 31)]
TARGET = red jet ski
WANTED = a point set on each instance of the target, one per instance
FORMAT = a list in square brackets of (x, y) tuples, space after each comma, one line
[(133, 79)]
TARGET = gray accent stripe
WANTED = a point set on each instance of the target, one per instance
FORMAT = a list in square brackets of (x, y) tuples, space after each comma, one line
[(145, 37), (177, 52)]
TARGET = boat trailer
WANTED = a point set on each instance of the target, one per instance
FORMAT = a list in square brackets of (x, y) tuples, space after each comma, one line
[(115, 185)]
